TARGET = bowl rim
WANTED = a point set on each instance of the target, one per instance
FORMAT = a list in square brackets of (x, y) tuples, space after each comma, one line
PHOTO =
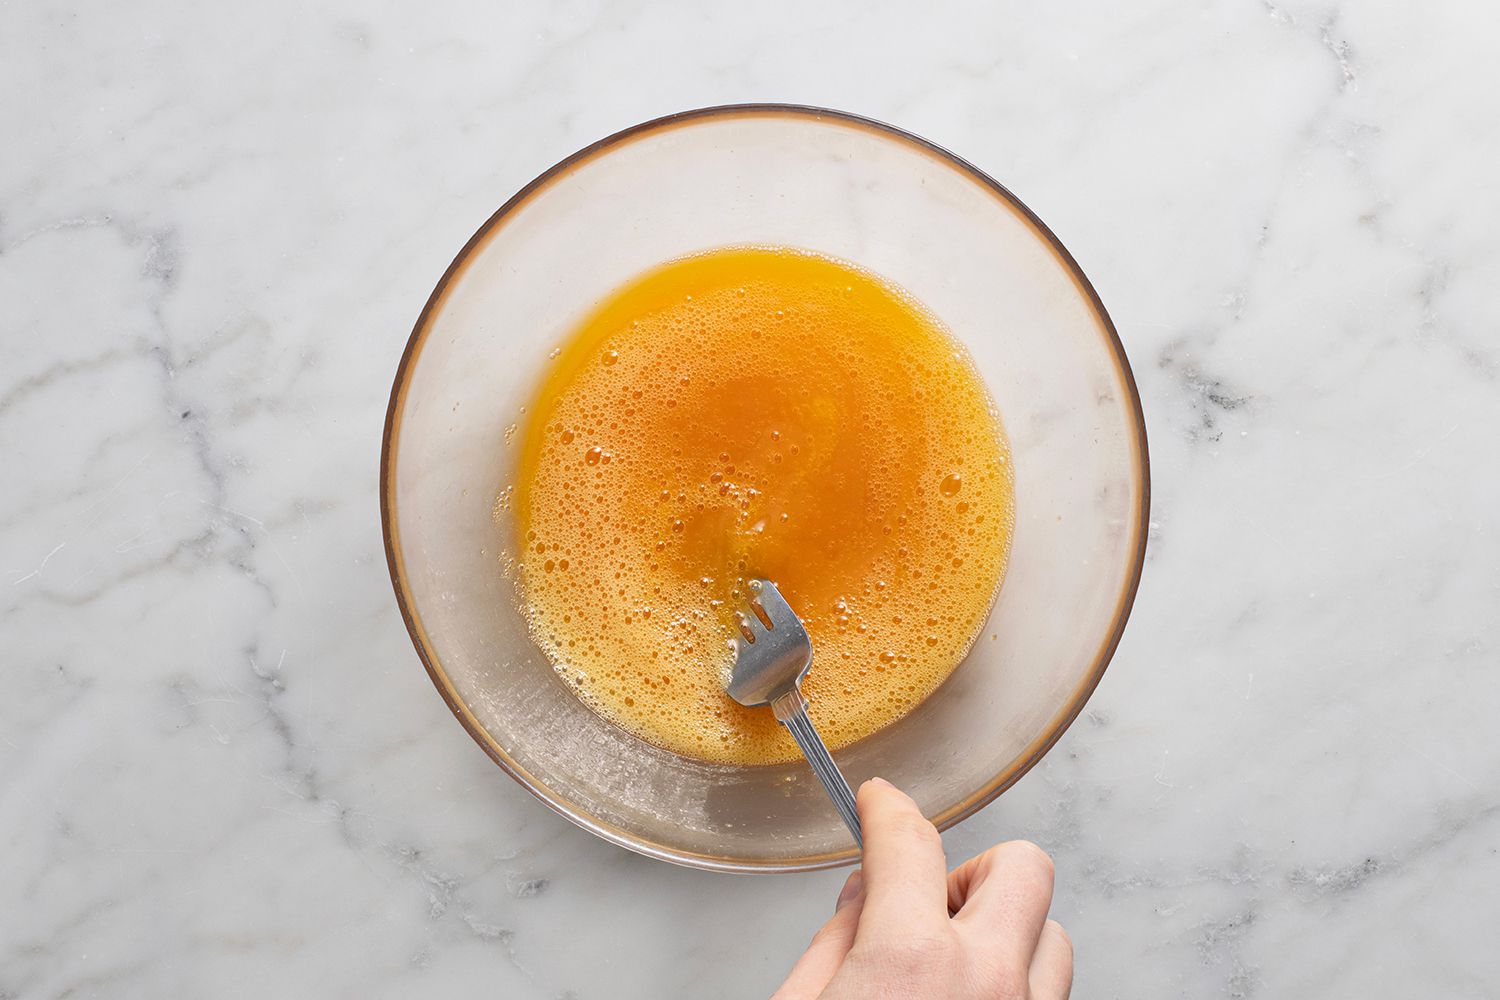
[(390, 440)]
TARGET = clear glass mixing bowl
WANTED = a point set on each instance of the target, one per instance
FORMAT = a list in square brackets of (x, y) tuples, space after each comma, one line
[(853, 189)]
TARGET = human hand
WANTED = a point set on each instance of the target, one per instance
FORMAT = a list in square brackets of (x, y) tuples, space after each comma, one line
[(891, 936)]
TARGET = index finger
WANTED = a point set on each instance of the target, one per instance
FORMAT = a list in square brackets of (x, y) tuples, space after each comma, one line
[(906, 875)]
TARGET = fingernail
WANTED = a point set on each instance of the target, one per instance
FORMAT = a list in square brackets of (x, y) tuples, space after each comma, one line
[(881, 782), (853, 886)]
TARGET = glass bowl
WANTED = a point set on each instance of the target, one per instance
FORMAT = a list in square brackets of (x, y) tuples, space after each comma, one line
[(849, 188)]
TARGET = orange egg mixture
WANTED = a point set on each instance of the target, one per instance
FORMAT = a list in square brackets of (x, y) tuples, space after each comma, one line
[(759, 412)]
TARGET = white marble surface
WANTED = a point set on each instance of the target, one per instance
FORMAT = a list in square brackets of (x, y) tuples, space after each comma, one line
[(222, 771)]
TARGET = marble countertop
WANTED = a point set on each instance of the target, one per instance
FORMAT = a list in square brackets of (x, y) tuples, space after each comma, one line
[(223, 772)]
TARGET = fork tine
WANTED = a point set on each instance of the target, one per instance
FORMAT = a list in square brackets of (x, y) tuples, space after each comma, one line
[(746, 628), (758, 609), (770, 601)]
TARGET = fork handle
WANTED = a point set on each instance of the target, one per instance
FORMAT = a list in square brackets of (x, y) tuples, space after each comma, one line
[(791, 711)]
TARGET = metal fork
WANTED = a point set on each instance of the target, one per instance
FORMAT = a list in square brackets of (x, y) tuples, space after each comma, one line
[(771, 656)]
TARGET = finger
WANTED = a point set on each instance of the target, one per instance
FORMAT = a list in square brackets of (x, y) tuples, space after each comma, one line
[(1004, 894), (905, 871), (1051, 975), (829, 946), (854, 886)]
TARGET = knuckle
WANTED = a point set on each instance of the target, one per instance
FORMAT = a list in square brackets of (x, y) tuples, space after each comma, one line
[(1033, 856), (914, 826)]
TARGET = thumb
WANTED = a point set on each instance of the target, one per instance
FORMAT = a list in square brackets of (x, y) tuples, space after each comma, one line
[(829, 945)]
